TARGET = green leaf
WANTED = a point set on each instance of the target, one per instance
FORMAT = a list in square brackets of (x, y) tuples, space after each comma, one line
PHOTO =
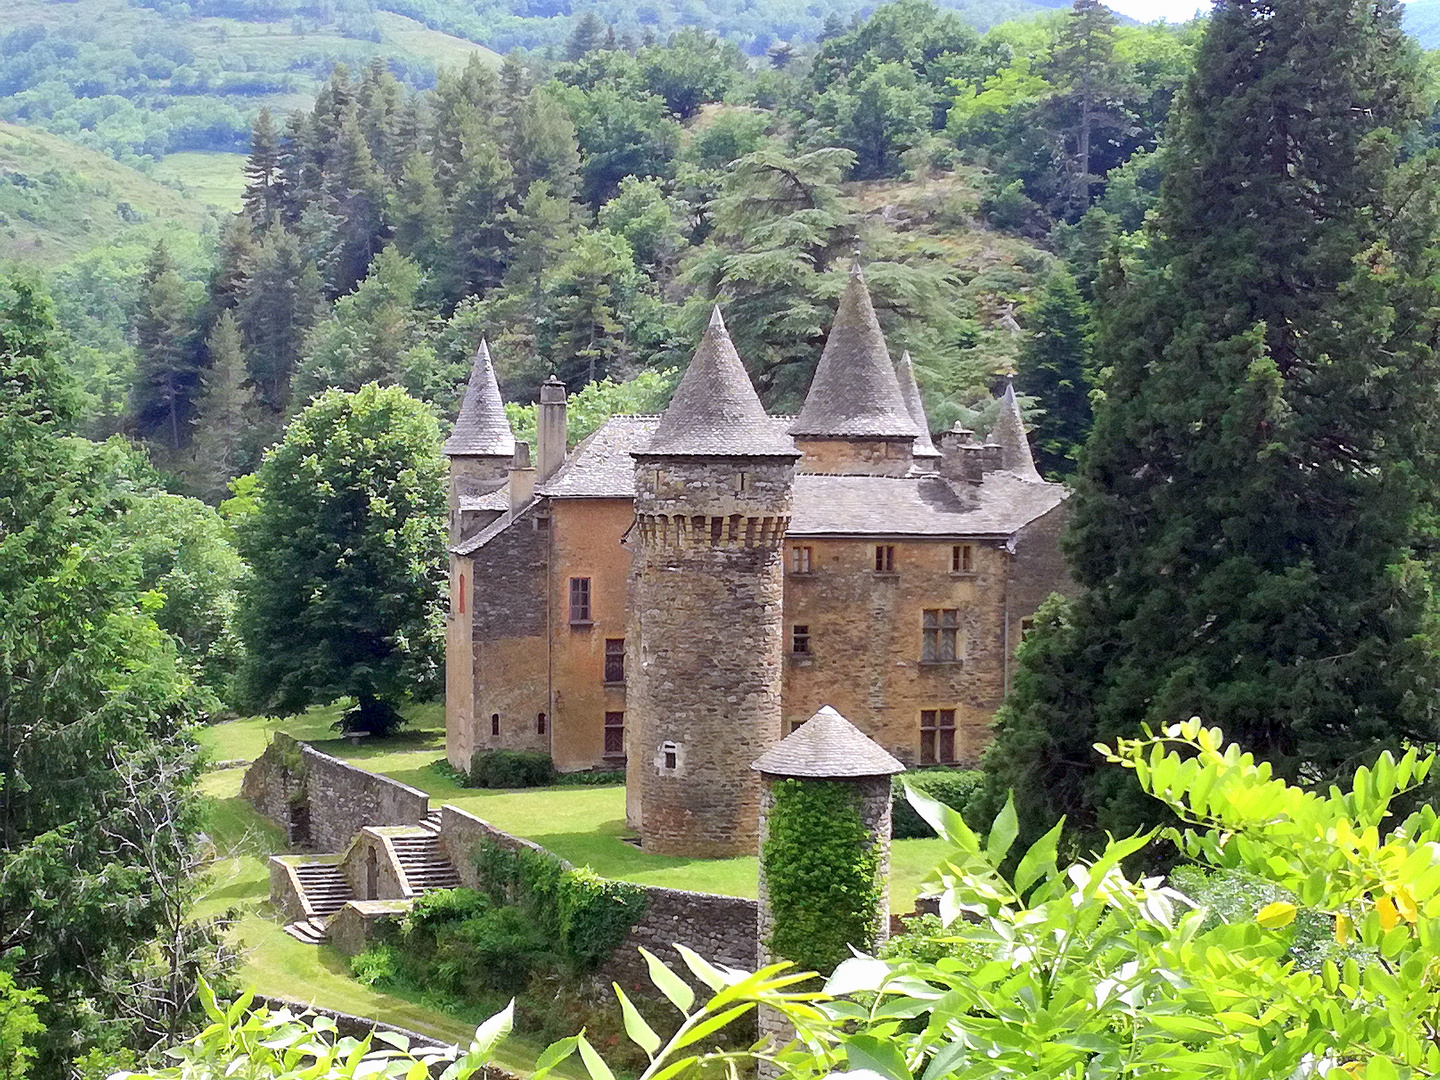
[(594, 1064), (878, 1055), (1003, 831), (703, 970), (857, 973), (945, 820), (675, 1067), (676, 990), (710, 1025), (1039, 859), (493, 1030), (553, 1054), (641, 1033), (1275, 915)]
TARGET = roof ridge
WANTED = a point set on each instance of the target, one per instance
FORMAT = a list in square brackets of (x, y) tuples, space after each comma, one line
[(715, 410), (481, 427), (855, 391)]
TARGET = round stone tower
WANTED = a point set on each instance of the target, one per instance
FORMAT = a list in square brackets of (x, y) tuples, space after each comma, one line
[(705, 638)]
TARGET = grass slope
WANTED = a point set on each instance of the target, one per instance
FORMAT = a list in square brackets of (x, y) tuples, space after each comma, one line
[(211, 177), (58, 199)]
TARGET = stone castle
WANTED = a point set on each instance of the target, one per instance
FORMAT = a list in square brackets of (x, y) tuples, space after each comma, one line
[(679, 592)]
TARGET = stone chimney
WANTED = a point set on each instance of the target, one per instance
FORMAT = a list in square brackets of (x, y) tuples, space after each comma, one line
[(550, 429), (522, 478)]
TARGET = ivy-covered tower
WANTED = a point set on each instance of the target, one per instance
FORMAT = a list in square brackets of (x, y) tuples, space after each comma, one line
[(705, 636)]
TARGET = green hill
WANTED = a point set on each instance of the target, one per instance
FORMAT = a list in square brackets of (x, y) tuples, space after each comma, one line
[(58, 200)]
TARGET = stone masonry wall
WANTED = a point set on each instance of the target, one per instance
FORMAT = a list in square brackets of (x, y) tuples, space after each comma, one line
[(704, 647), (340, 798), (854, 456), (719, 928)]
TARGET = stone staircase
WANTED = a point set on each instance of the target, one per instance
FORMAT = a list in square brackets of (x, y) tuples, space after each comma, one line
[(422, 862), (326, 891)]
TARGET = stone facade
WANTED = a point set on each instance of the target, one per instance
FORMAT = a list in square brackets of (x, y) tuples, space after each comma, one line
[(705, 636), (322, 801), (738, 571)]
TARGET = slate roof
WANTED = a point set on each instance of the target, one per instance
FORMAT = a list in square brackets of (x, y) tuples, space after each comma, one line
[(855, 392), (910, 391), (481, 429), (499, 499), (827, 746), (602, 467), (919, 505), (715, 410), (922, 505), (1009, 432), (472, 544)]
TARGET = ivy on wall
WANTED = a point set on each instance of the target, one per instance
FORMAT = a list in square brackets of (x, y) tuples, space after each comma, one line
[(587, 915), (821, 870)]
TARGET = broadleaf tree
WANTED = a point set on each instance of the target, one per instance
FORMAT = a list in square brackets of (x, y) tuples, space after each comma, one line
[(347, 558)]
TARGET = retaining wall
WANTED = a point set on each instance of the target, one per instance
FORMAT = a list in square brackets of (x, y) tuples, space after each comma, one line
[(322, 801)]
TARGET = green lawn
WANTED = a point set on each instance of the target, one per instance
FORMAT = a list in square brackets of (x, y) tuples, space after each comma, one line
[(585, 825), (213, 178)]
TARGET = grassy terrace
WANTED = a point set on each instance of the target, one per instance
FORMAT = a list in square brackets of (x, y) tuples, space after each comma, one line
[(582, 824), (585, 825)]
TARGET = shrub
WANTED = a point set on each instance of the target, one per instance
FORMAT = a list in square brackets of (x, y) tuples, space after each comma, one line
[(595, 915), (376, 966), (511, 769), (499, 948), (433, 909), (594, 778), (953, 787)]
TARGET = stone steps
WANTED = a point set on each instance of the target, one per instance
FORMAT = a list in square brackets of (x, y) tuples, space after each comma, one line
[(325, 887), (309, 931), (423, 863)]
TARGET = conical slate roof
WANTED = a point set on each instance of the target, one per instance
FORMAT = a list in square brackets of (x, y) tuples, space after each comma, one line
[(1009, 432), (715, 410), (481, 429), (827, 746), (910, 391), (855, 392)]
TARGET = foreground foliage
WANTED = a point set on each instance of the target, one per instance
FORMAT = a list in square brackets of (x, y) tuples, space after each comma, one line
[(1082, 970)]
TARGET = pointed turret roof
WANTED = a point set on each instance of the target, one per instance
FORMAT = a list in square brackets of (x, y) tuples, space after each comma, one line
[(829, 746), (715, 410), (910, 391), (855, 392), (481, 429), (1009, 433)]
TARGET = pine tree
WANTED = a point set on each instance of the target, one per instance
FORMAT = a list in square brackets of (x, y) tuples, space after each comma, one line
[(587, 36), (279, 304), (1055, 368), (1250, 523), (220, 441), (263, 177), (167, 374), (1083, 59)]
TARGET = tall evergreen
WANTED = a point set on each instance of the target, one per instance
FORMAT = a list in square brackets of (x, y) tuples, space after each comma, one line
[(264, 181), (219, 447), (167, 374), (1054, 367), (1251, 522)]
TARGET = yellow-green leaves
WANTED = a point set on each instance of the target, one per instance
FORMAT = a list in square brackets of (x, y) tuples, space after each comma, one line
[(1275, 915)]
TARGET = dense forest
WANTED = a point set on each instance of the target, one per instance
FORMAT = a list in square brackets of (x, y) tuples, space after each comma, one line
[(584, 213)]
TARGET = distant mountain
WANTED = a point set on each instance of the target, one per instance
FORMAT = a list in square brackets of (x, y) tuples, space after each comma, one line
[(1422, 21)]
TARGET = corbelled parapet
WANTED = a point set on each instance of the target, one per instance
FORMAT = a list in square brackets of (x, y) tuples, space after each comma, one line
[(712, 502)]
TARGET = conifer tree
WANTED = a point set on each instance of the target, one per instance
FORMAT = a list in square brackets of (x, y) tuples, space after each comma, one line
[(1083, 59), (166, 376), (264, 181), (220, 441), (1054, 367), (279, 304), (1251, 521)]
